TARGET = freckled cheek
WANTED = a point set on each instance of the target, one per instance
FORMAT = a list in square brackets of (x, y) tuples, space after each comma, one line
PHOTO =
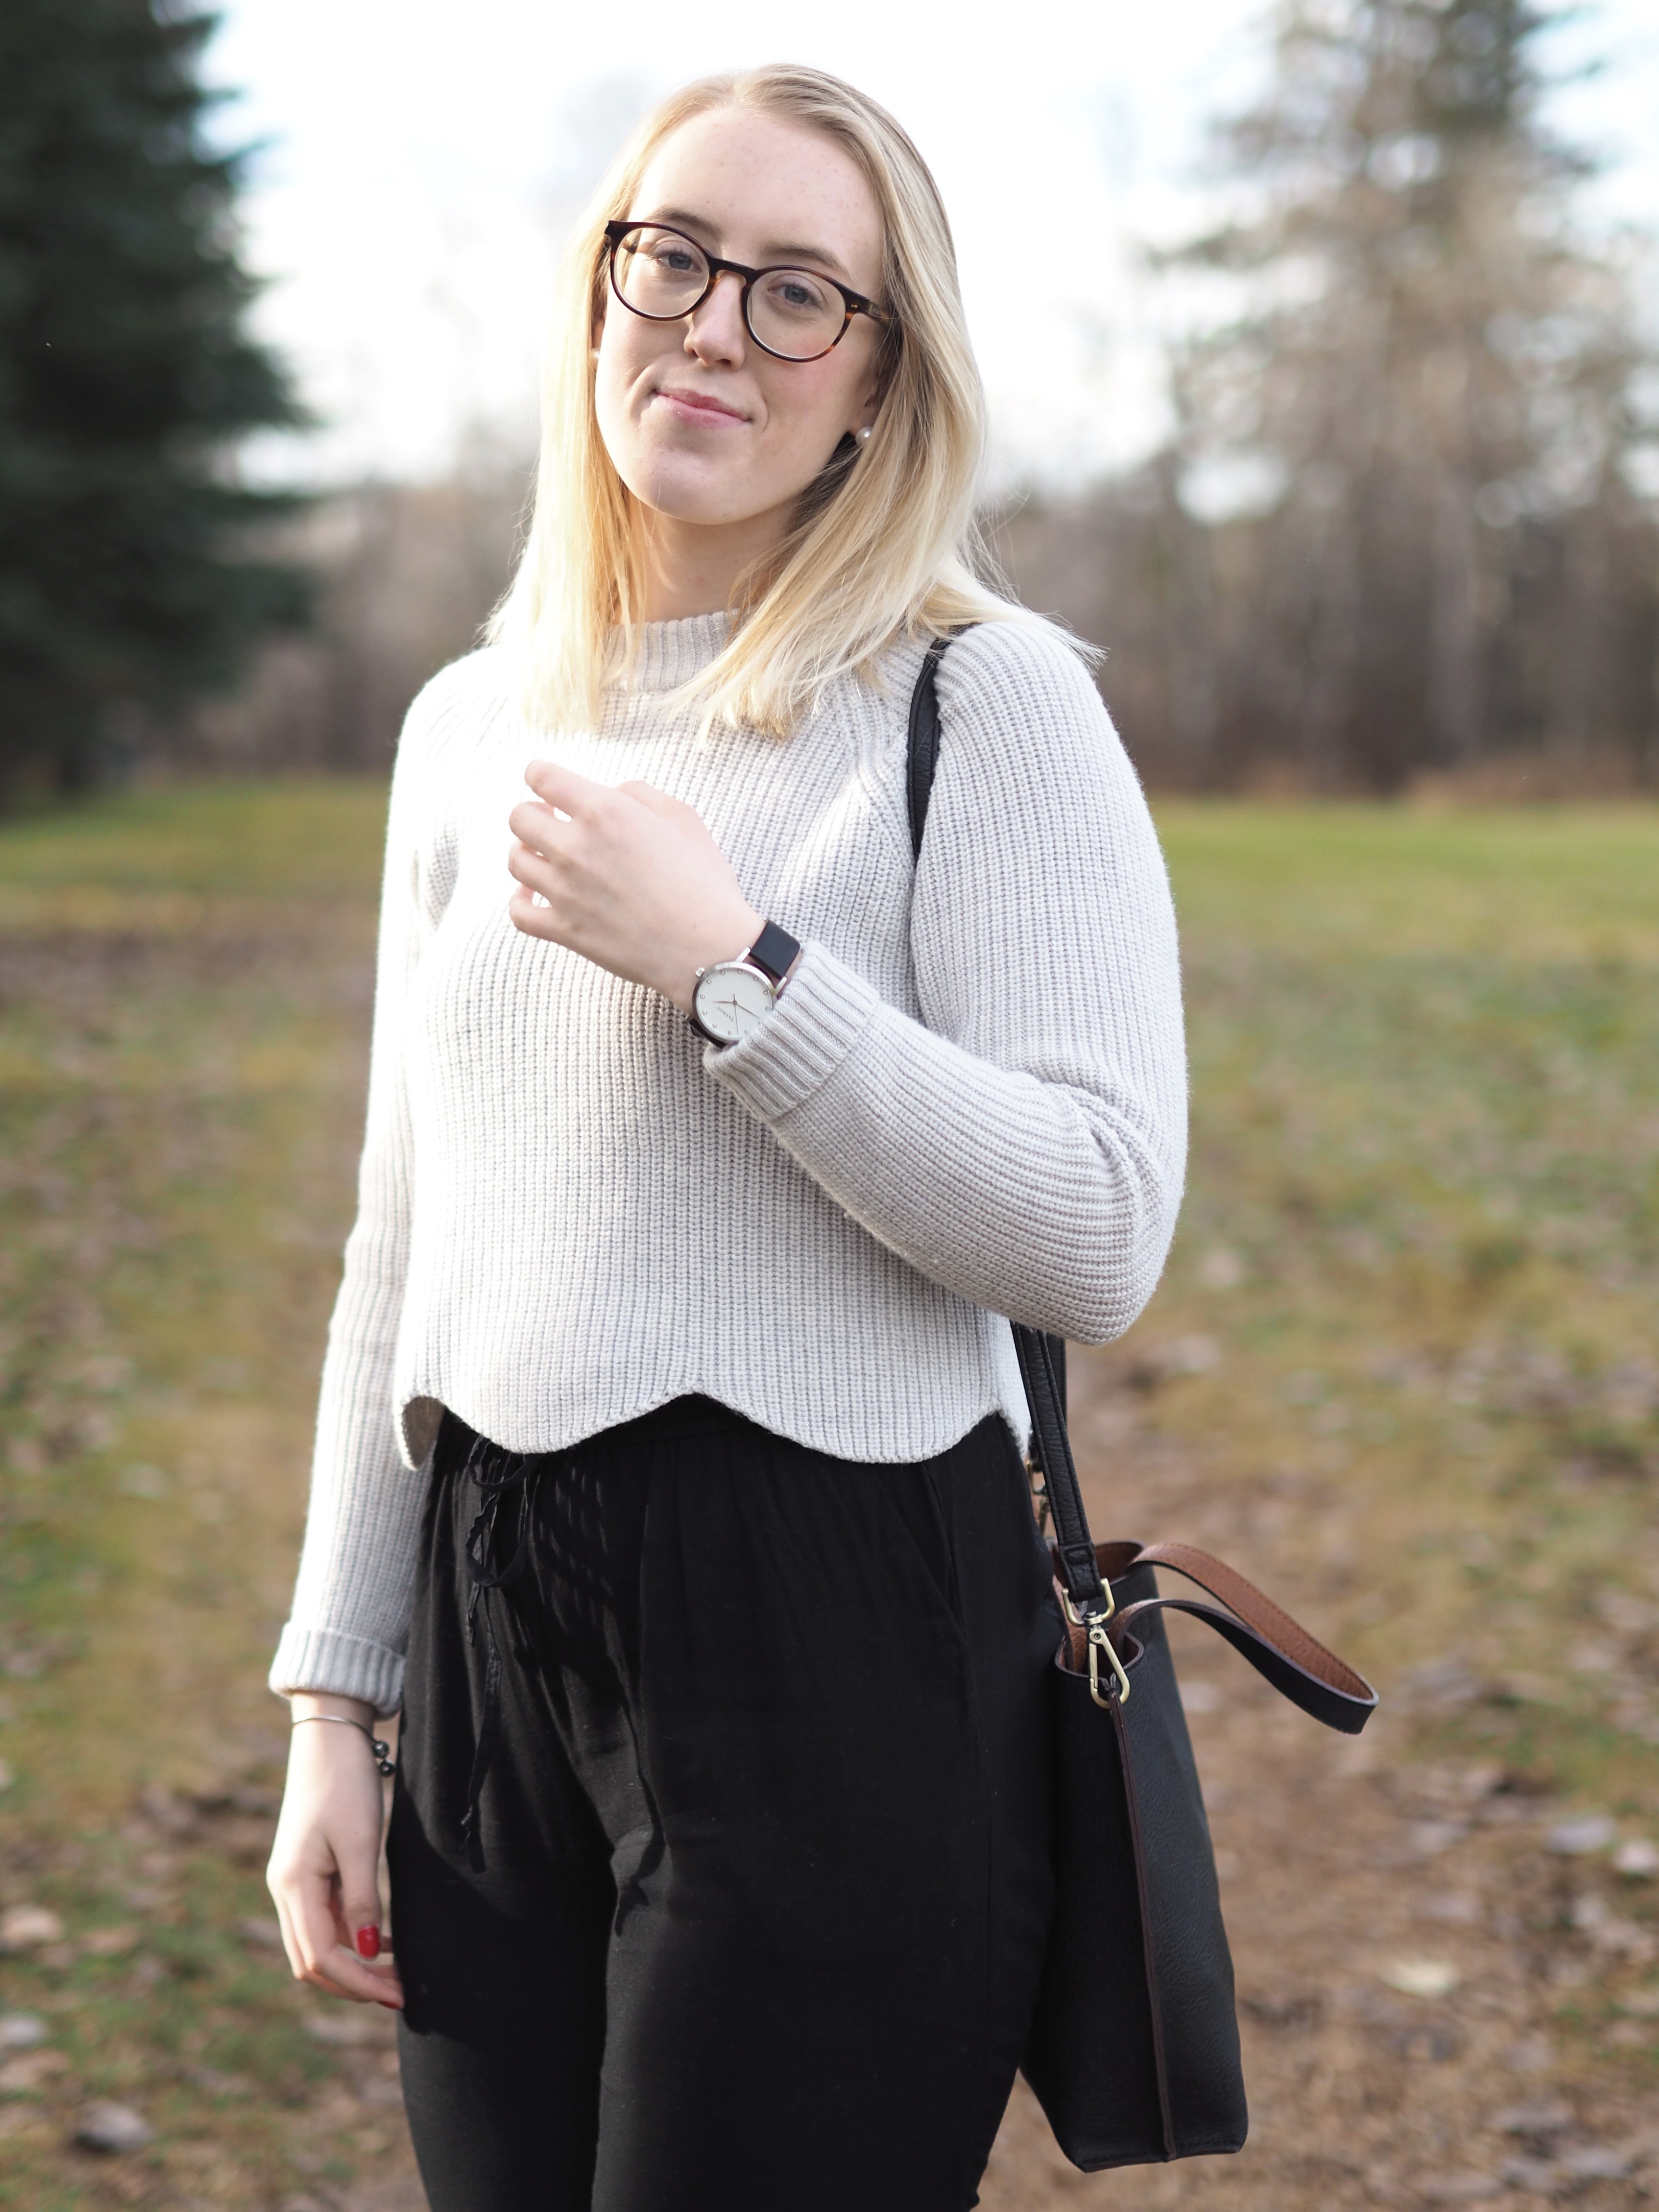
[(809, 413), (630, 360)]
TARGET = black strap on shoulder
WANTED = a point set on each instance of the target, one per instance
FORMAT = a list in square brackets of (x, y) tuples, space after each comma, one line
[(923, 758), (1042, 1358)]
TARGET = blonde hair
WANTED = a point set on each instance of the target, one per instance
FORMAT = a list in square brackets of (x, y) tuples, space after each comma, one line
[(883, 543)]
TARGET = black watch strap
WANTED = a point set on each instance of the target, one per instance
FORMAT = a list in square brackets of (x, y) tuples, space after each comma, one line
[(775, 952)]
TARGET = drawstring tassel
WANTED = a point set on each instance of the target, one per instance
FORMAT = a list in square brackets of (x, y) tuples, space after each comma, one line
[(494, 1472)]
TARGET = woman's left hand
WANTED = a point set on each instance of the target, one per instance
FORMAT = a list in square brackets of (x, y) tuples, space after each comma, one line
[(632, 880)]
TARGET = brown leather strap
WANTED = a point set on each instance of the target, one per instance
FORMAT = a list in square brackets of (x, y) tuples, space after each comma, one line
[(1257, 1611), (1297, 1665)]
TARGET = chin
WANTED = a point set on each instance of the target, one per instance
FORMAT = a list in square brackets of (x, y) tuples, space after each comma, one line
[(684, 498)]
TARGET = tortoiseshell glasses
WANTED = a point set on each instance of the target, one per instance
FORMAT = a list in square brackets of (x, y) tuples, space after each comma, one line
[(794, 314)]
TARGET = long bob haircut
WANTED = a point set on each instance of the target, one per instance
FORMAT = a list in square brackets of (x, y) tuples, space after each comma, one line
[(883, 543)]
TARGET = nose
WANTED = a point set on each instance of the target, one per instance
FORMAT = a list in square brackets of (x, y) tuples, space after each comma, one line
[(715, 331)]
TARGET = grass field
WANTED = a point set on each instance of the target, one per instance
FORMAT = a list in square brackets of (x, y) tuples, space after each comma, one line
[(1413, 1304)]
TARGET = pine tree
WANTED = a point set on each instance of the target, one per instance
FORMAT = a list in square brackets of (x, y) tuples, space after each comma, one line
[(127, 378), (1441, 371)]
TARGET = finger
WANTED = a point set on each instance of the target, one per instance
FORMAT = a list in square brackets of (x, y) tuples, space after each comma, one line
[(314, 1957), (379, 1984), (532, 869), (661, 802), (534, 918), (563, 787), (537, 826), (356, 1902), (328, 1966), (285, 1922)]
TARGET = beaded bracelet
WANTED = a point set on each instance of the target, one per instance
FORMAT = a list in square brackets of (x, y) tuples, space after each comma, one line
[(383, 1758)]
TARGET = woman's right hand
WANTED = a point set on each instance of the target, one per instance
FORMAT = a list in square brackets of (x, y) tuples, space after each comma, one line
[(325, 1864)]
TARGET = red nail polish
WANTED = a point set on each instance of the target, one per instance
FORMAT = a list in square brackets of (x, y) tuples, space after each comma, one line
[(368, 1943)]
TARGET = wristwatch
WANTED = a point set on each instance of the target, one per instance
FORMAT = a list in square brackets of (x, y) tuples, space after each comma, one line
[(734, 997)]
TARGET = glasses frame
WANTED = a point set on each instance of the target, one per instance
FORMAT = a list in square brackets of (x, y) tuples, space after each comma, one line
[(855, 302)]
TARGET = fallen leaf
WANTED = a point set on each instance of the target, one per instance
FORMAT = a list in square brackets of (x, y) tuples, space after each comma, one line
[(1422, 1977), (25, 1925), (113, 2128), (19, 2077)]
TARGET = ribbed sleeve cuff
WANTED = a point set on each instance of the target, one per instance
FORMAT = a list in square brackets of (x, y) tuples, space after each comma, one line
[(344, 1666), (801, 1044)]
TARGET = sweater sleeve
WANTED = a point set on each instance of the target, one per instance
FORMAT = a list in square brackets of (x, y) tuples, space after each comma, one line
[(1024, 1142), (348, 1625)]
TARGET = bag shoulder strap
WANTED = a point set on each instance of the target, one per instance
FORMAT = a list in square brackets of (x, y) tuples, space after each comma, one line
[(1334, 1695), (1298, 1666), (1280, 1649), (1042, 1358), (922, 755)]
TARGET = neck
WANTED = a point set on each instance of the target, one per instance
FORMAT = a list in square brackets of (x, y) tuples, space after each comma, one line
[(695, 567)]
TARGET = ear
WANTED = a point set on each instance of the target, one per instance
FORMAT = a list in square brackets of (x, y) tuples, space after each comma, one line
[(869, 407)]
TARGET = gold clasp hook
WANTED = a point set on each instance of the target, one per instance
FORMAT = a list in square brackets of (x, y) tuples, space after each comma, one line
[(1098, 1642), (1095, 1622)]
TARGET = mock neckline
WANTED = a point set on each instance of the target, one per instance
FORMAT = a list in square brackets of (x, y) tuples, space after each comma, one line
[(670, 654)]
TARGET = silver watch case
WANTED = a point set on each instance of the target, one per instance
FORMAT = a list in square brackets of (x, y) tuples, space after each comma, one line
[(730, 1000)]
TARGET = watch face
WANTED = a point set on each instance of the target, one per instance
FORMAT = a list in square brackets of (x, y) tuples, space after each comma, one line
[(732, 999)]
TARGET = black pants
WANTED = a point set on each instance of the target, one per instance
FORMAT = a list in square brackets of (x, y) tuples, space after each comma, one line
[(754, 1910)]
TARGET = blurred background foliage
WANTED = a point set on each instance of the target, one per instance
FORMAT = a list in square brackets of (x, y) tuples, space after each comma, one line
[(128, 582), (1407, 522), (1404, 527)]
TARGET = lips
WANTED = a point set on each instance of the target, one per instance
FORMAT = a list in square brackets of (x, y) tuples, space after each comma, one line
[(699, 406)]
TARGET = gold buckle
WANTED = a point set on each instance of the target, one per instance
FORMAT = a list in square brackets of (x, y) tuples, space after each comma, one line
[(1105, 1612)]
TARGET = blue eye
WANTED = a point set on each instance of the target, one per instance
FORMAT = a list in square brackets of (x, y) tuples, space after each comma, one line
[(792, 292)]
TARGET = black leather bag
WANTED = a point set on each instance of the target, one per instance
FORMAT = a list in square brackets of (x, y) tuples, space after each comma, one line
[(1133, 2051)]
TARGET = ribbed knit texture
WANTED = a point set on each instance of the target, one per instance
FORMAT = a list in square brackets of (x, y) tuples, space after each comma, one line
[(969, 1103)]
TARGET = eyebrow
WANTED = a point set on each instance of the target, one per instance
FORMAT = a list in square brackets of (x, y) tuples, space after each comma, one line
[(788, 254)]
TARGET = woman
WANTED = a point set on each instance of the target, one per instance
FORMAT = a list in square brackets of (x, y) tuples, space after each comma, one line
[(668, 1470)]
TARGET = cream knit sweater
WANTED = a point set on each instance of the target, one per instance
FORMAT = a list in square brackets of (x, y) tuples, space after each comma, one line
[(969, 1103)]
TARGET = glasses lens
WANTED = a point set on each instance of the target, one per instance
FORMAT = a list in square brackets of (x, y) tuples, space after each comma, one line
[(795, 313), (659, 273)]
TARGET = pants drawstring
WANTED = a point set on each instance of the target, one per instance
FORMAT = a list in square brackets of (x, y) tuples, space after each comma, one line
[(495, 1471)]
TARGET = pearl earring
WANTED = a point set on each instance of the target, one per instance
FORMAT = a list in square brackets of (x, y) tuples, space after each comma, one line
[(863, 434)]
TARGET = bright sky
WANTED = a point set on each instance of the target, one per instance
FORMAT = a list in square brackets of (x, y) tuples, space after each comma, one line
[(423, 161)]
